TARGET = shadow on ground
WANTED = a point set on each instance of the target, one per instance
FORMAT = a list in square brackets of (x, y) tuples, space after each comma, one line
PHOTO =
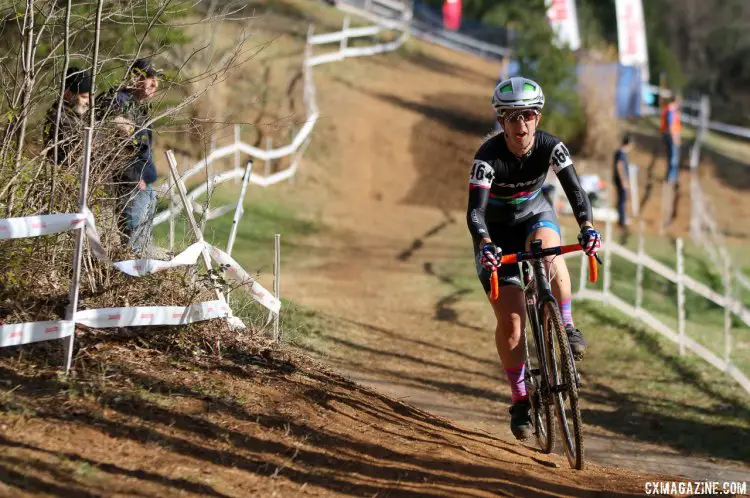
[(443, 145), (637, 413), (257, 420), (420, 59)]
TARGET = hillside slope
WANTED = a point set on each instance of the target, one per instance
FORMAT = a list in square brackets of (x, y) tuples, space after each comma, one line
[(160, 413)]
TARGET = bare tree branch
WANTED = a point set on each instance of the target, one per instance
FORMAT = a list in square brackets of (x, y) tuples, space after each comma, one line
[(66, 63)]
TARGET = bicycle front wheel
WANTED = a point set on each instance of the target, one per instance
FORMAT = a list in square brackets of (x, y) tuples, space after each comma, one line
[(541, 404), (561, 374)]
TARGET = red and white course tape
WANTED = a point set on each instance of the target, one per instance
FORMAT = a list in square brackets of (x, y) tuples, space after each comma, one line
[(34, 226), (152, 315), (24, 333)]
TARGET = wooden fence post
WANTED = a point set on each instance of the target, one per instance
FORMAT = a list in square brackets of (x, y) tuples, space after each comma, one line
[(680, 295), (639, 270)]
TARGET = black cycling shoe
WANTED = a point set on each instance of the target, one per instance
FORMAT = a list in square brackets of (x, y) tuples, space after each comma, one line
[(577, 342), (520, 420)]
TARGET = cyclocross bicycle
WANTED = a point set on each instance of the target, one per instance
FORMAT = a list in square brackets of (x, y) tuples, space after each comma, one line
[(553, 380)]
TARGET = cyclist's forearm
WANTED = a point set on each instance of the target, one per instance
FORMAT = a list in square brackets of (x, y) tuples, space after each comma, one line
[(475, 213), (577, 197)]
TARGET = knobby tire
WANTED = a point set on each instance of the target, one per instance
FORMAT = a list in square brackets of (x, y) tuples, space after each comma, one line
[(560, 361)]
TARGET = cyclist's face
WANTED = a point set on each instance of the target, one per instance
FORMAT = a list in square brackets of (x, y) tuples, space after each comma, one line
[(520, 127)]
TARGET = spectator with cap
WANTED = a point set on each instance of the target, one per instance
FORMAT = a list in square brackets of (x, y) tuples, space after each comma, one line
[(128, 108), (75, 104)]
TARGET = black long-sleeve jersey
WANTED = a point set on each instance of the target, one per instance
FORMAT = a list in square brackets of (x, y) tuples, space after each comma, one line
[(505, 189)]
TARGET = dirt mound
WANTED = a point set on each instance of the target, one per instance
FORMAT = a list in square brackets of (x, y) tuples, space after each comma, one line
[(142, 415)]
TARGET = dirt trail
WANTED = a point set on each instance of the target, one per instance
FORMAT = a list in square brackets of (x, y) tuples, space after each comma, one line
[(403, 131), (254, 423)]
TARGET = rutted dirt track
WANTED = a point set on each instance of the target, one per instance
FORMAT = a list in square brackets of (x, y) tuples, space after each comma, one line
[(158, 424)]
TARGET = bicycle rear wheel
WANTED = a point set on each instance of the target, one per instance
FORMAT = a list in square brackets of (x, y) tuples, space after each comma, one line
[(561, 375)]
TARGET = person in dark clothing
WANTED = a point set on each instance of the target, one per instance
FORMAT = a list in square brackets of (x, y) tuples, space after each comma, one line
[(76, 98), (128, 108), (621, 179)]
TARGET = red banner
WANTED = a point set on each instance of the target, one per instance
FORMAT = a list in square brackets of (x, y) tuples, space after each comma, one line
[(452, 14)]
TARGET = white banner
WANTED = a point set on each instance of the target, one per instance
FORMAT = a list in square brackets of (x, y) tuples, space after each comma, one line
[(24, 333), (141, 267), (562, 16), (34, 226), (631, 35), (238, 274), (152, 315)]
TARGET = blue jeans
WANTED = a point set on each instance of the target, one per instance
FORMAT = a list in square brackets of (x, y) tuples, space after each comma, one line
[(673, 158), (137, 217), (622, 197)]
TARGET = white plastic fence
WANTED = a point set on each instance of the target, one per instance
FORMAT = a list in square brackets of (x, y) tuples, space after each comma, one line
[(703, 226), (397, 19), (677, 275), (704, 229), (83, 222)]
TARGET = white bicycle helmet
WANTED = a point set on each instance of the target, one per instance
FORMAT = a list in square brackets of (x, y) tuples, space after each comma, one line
[(517, 93)]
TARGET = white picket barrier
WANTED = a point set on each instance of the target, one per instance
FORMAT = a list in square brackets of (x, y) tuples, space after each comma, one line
[(302, 139), (677, 276), (376, 10)]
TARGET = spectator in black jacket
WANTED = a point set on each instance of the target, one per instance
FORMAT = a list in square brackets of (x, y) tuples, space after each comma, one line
[(128, 108), (621, 179)]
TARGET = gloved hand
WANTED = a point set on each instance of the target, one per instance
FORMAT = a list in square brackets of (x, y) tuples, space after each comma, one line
[(590, 240), (489, 256)]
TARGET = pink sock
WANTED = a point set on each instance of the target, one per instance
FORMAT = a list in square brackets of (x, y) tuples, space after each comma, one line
[(517, 384), (566, 311)]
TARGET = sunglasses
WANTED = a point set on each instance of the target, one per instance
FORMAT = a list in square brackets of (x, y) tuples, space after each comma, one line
[(526, 115)]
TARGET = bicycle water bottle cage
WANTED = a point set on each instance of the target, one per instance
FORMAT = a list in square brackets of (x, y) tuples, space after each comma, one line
[(536, 247)]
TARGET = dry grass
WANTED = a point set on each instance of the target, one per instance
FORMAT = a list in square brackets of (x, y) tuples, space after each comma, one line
[(601, 131)]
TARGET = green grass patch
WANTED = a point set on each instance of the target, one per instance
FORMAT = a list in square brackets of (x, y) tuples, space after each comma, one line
[(265, 215), (637, 384), (299, 325)]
